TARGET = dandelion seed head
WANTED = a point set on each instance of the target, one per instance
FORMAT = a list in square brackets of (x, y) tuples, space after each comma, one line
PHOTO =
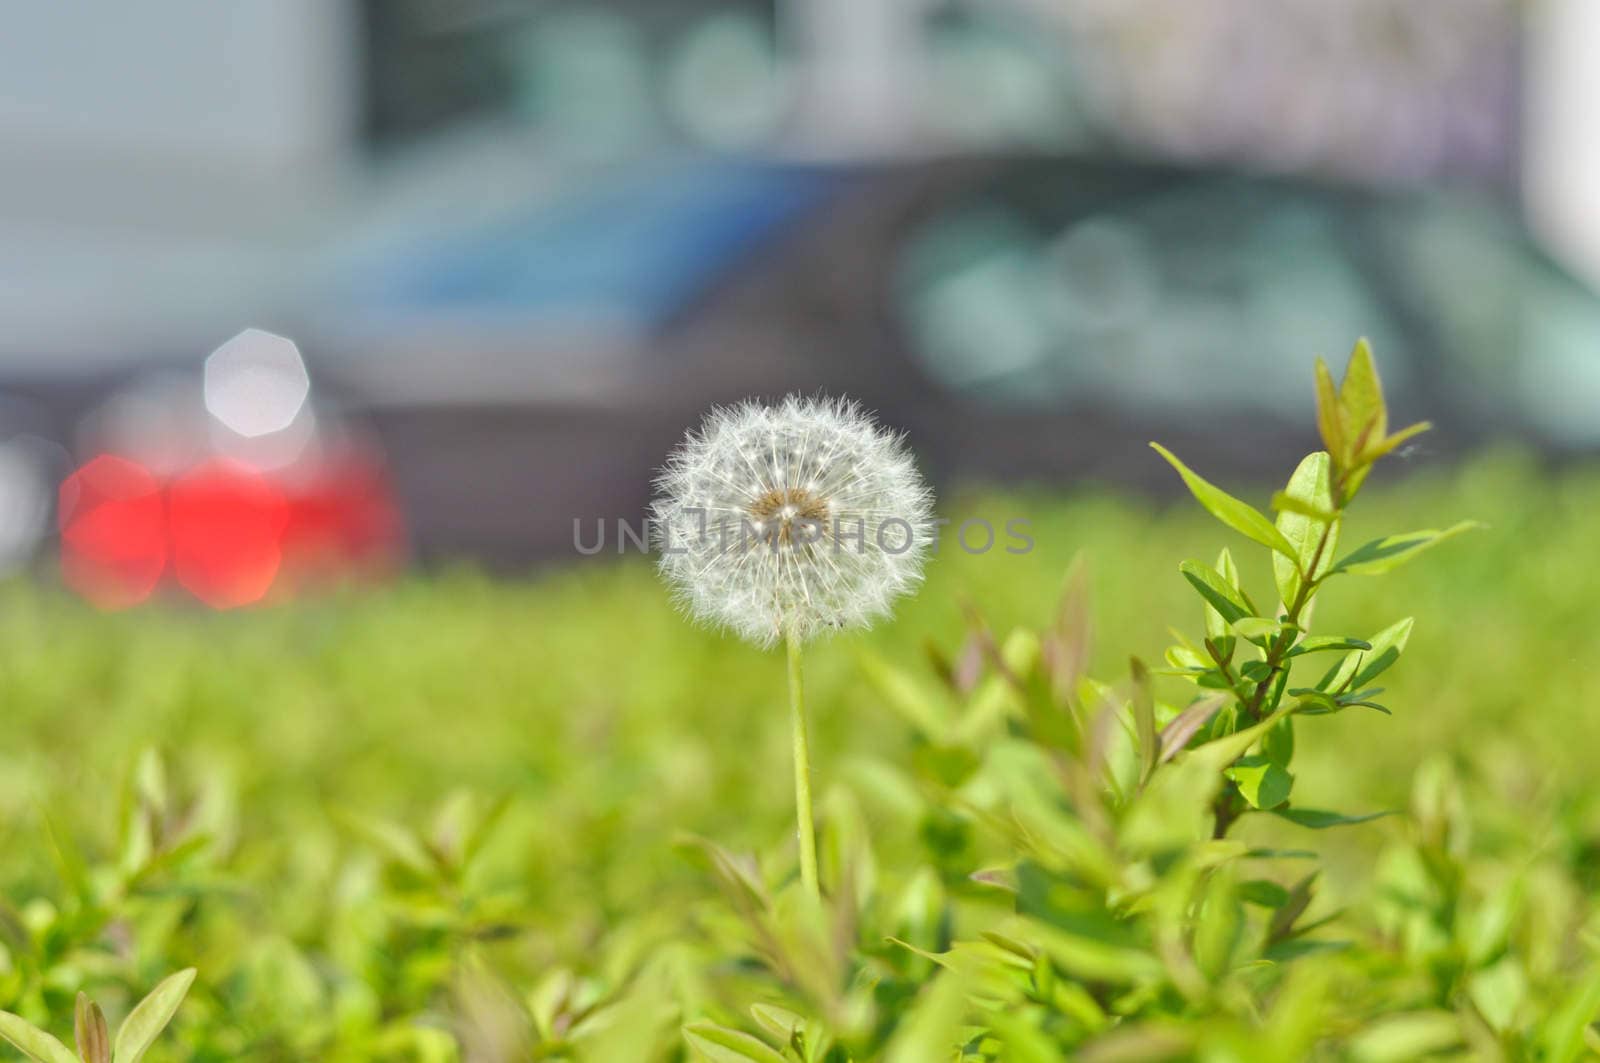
[(795, 518)]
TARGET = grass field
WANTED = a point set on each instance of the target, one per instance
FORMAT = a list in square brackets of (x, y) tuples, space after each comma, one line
[(264, 841)]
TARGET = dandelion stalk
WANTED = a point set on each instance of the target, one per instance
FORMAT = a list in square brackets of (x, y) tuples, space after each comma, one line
[(805, 826)]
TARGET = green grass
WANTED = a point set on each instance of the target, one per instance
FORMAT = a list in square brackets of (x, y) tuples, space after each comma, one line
[(614, 728)]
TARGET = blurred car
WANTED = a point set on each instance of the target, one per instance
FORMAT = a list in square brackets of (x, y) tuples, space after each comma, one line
[(229, 482), (1024, 319)]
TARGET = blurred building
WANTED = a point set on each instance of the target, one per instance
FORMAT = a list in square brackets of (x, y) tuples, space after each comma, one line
[(1561, 184), (182, 167), (169, 167), (523, 241)]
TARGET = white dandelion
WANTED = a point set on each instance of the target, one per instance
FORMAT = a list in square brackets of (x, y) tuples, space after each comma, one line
[(786, 521)]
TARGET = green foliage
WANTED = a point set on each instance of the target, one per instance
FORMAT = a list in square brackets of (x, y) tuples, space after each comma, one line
[(459, 821), (134, 1038)]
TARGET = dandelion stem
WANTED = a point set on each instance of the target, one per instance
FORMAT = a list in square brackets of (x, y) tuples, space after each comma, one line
[(802, 773)]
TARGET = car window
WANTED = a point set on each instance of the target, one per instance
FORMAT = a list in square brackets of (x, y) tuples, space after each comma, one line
[(1169, 299)]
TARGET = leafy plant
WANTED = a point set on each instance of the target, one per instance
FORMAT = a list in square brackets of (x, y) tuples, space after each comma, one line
[(1083, 896), (463, 820), (1248, 652), (134, 1037)]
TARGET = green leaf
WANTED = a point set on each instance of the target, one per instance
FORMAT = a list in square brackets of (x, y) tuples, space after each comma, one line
[(931, 1029), (1144, 719), (916, 704), (32, 1041), (1314, 702), (1353, 481), (1185, 658), (1257, 629), (633, 1026), (1314, 538), (1358, 668), (718, 1044), (1294, 905), (1389, 443), (738, 873), (1217, 592), (1321, 819), (1175, 808), (780, 1022), (1218, 924), (145, 1023), (1283, 502), (1322, 643), (1264, 893), (1219, 753), (1023, 1041), (1238, 515), (1218, 632), (1026, 676), (1328, 418), (1279, 743), (395, 842), (1562, 1036), (1066, 645), (1338, 677), (466, 823), (1263, 782), (89, 1028), (1405, 1037), (1392, 551), (66, 855), (1086, 957), (1256, 671), (1484, 932), (1497, 992), (1362, 413), (948, 765), (1387, 645), (1362, 421)]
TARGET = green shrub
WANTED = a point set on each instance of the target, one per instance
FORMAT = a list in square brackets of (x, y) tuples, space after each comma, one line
[(457, 820), (1081, 895)]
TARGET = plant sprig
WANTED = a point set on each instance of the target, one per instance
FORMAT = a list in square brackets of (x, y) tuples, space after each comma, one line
[(92, 1037), (1353, 421)]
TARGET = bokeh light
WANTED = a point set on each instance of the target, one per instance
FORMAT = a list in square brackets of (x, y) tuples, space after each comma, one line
[(231, 483), (723, 81), (342, 521), (584, 76), (25, 487), (256, 383), (227, 525), (157, 419), (113, 532)]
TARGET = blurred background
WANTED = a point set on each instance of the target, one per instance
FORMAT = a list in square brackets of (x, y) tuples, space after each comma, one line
[(296, 292)]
